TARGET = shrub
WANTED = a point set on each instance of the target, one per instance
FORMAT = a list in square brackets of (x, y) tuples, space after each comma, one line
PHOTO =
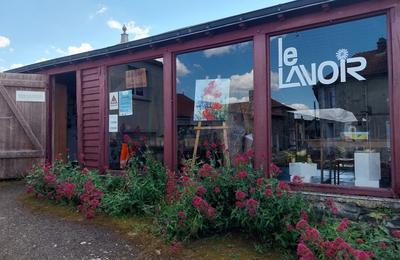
[(138, 191)]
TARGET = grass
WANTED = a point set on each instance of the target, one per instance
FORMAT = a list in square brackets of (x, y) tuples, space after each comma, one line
[(139, 232)]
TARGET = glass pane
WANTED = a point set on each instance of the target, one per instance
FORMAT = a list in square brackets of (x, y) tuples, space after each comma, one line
[(330, 104), (215, 90), (135, 111)]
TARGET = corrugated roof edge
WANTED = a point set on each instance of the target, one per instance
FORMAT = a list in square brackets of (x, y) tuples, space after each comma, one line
[(183, 33)]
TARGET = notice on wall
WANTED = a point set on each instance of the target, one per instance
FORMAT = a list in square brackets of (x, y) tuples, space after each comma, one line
[(113, 100), (211, 99), (30, 96), (113, 123), (125, 103), (136, 78)]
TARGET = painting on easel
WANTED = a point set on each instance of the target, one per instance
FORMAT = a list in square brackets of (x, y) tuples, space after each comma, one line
[(211, 99)]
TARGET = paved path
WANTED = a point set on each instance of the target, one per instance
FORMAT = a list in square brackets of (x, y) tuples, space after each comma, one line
[(26, 235)]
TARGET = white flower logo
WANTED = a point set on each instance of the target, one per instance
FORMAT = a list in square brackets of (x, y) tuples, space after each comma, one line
[(342, 54)]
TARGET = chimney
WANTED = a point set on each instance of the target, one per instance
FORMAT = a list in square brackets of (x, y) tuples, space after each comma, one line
[(124, 35)]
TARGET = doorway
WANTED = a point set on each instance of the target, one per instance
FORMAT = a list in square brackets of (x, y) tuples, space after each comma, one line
[(65, 117)]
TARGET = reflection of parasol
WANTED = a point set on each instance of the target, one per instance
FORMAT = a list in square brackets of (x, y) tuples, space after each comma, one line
[(333, 114)]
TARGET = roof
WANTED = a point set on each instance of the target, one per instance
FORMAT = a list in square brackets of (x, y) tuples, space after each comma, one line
[(197, 31)]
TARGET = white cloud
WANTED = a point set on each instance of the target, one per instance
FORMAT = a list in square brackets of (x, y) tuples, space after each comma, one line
[(2, 69), (233, 100), (131, 28), (100, 10), (16, 65), (242, 82), (219, 51), (40, 60), (78, 49), (4, 41), (299, 106), (274, 80), (181, 69)]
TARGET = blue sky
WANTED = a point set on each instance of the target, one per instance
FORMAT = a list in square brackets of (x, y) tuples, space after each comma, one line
[(33, 31)]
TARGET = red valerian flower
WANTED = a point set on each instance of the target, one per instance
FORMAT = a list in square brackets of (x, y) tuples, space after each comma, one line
[(297, 180), (252, 190), (240, 204), (362, 255), (396, 233), (217, 190), (383, 245), (206, 170), (283, 186), (85, 171), (268, 192), (304, 251), (312, 235), (181, 215), (304, 215), (242, 175), (50, 178), (176, 247), (359, 241), (289, 227), (302, 224), (274, 170), (241, 159), (260, 181), (197, 201), (29, 189), (208, 154), (214, 146), (240, 195), (216, 106), (343, 225), (201, 190), (250, 153)]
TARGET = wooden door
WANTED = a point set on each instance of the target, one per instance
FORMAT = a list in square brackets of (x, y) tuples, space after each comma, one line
[(22, 122), (60, 105)]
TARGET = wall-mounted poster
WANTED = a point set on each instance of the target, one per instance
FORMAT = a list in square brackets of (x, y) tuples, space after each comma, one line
[(125, 103), (211, 99), (113, 123), (136, 78), (113, 101)]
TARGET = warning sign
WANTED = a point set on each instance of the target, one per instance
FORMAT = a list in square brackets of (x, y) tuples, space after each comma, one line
[(113, 100)]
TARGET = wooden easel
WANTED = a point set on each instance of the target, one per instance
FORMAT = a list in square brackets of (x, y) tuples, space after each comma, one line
[(199, 127)]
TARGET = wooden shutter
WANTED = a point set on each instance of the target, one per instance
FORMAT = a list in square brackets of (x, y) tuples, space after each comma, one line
[(91, 137), (22, 123)]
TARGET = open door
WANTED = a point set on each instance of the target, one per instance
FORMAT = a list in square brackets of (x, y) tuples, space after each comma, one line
[(23, 122)]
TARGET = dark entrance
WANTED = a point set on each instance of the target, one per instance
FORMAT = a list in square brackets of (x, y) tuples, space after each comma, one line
[(65, 117)]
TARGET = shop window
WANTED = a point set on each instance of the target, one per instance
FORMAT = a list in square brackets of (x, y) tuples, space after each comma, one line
[(330, 104), (214, 100), (135, 111)]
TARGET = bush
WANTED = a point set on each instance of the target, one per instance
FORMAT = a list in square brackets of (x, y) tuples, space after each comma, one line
[(211, 200), (138, 191), (66, 183)]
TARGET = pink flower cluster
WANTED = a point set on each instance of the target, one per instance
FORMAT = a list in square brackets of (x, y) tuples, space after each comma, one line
[(65, 190), (90, 199), (203, 206), (337, 249), (244, 158), (331, 205), (206, 170)]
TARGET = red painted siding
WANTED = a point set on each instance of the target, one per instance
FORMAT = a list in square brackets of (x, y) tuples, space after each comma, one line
[(90, 117)]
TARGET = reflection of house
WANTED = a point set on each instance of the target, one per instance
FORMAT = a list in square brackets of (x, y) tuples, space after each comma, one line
[(146, 101), (367, 100), (282, 122)]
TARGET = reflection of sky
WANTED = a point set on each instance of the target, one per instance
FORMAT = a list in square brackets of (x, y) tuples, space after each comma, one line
[(321, 44), (234, 60)]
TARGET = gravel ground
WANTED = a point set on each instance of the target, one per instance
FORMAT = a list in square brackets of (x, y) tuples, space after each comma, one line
[(26, 235)]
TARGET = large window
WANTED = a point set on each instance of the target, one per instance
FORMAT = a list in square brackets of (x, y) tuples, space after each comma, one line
[(135, 111), (214, 101), (330, 104)]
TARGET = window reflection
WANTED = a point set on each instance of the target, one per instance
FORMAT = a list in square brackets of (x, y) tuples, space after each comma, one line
[(330, 111), (136, 114), (215, 94)]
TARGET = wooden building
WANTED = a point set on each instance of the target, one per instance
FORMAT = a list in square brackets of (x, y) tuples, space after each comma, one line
[(313, 85)]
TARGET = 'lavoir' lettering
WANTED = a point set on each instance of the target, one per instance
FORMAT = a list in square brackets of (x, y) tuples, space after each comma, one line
[(289, 57)]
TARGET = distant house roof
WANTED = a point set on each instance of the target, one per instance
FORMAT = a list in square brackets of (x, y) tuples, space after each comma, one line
[(218, 26)]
